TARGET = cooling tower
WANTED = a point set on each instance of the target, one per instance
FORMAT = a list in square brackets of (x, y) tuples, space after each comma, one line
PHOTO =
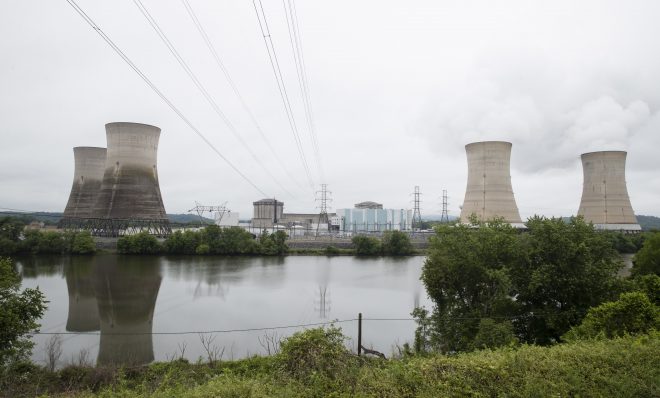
[(87, 179), (489, 193), (130, 194), (605, 200)]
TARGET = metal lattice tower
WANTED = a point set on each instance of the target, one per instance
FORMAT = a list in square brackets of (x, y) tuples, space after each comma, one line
[(201, 209), (445, 214), (323, 197), (417, 215)]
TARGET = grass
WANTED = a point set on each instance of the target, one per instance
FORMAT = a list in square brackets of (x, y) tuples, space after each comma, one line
[(622, 367)]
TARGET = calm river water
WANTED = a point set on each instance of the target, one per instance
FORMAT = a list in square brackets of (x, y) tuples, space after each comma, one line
[(119, 301)]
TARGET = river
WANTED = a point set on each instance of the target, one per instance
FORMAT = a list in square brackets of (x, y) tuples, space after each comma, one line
[(117, 309)]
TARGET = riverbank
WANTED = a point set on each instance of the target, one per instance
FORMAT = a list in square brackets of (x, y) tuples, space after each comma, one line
[(623, 367)]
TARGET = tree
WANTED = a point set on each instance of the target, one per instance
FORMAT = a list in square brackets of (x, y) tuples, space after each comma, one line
[(632, 313), (562, 270), (140, 243), (647, 260), (19, 312), (366, 245), (396, 243), (466, 276)]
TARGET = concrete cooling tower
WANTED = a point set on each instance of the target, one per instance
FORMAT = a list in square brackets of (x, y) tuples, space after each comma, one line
[(87, 179), (489, 193), (129, 199), (605, 201)]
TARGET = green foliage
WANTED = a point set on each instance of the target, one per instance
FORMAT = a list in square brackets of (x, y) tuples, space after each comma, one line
[(315, 353), (493, 334), (331, 251), (632, 313), (19, 313), (649, 285), (203, 249), (48, 242), (82, 243), (465, 275), (396, 243), (10, 229), (366, 245), (273, 244), (226, 241), (647, 260), (185, 242), (140, 243)]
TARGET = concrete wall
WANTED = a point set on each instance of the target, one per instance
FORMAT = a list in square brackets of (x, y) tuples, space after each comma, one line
[(87, 179), (489, 193), (130, 187), (604, 194)]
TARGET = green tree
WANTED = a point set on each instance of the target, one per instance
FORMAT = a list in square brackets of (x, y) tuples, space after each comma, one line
[(183, 242), (140, 243), (19, 313), (493, 334), (562, 270), (10, 232), (632, 313), (366, 245), (396, 243), (80, 242), (51, 242), (647, 259), (465, 275)]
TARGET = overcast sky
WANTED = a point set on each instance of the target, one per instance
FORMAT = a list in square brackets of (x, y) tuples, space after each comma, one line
[(397, 89)]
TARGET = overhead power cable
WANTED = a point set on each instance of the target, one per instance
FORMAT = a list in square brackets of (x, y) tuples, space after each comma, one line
[(184, 65), (162, 96), (275, 66), (225, 72), (296, 47)]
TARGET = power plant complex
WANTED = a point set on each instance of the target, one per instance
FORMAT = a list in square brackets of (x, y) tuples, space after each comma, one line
[(116, 191)]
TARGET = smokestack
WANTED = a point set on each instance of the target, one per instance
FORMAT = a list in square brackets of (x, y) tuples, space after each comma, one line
[(605, 201), (130, 188), (87, 178), (489, 193)]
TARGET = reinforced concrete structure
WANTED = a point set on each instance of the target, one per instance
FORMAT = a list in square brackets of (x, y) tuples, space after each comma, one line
[(129, 200), (87, 179), (489, 193), (267, 212), (605, 201)]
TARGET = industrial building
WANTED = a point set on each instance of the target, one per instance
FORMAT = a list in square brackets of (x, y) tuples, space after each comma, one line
[(489, 192), (129, 199), (374, 219), (605, 201), (269, 213), (88, 173)]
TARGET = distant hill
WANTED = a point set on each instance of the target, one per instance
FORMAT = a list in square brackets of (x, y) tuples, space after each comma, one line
[(52, 218), (649, 222)]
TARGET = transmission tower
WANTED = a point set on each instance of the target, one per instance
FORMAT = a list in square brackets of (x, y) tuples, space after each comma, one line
[(417, 216), (201, 209), (323, 197), (445, 214)]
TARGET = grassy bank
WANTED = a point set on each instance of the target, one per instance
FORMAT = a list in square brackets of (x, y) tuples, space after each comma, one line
[(623, 367)]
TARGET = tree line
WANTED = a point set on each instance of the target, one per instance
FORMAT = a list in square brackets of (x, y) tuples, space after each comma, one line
[(493, 285), (14, 239)]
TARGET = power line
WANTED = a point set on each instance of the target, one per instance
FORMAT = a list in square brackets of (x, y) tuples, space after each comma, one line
[(299, 60), (163, 37), (225, 72), (275, 66), (162, 96)]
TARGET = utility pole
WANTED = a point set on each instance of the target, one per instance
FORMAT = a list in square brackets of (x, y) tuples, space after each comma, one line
[(417, 215), (444, 218), (201, 209), (323, 197)]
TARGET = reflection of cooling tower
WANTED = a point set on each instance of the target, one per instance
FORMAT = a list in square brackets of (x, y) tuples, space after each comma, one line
[(605, 200), (489, 193), (130, 187), (83, 315), (87, 178), (126, 295)]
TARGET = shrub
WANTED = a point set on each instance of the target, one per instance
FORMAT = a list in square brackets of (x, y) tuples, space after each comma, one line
[(19, 313), (366, 245), (632, 313), (396, 243), (203, 249), (330, 251), (647, 259), (315, 352), (141, 243), (83, 243)]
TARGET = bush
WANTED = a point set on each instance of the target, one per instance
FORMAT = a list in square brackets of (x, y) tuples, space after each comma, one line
[(366, 245), (315, 352), (19, 313), (82, 243), (396, 243), (203, 249), (141, 243), (331, 251), (185, 242), (632, 313)]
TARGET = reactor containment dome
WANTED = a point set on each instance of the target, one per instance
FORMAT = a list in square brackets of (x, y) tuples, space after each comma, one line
[(489, 193), (605, 201)]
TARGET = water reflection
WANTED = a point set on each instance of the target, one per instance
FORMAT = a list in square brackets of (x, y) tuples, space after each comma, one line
[(83, 315)]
